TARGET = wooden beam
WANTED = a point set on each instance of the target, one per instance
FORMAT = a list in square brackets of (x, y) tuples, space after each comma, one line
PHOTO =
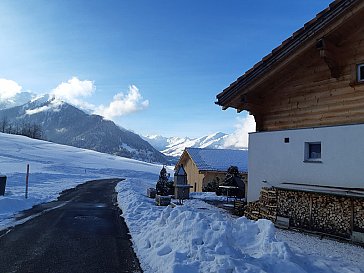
[(252, 107), (253, 99), (329, 53), (258, 122), (250, 103)]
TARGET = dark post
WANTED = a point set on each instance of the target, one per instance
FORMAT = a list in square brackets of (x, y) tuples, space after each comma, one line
[(2, 184), (27, 182)]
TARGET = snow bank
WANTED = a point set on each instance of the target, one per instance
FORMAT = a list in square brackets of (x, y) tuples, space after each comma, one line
[(198, 237), (53, 168)]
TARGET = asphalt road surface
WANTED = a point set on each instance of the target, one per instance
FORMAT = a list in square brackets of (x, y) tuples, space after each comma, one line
[(81, 232)]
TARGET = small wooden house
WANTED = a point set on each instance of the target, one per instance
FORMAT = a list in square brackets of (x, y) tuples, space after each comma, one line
[(307, 98), (205, 165)]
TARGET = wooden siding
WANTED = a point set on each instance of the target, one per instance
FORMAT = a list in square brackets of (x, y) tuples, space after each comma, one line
[(308, 96), (194, 178), (199, 179)]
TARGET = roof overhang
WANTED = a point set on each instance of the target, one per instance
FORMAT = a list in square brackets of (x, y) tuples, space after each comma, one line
[(239, 94), (319, 189), (217, 171), (183, 155)]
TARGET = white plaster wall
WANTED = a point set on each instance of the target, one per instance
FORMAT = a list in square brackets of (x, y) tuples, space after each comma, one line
[(342, 156)]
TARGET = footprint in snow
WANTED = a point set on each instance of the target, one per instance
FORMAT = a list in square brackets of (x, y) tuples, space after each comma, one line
[(164, 251)]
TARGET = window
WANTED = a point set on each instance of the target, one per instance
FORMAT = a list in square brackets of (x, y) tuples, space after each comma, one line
[(360, 73), (313, 152)]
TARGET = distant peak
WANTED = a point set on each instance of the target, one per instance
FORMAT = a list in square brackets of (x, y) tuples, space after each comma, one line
[(217, 134)]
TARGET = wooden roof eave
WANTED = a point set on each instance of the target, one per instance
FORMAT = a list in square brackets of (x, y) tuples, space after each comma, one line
[(233, 96), (184, 154)]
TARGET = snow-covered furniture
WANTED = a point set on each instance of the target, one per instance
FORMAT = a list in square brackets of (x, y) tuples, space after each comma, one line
[(151, 192), (161, 200)]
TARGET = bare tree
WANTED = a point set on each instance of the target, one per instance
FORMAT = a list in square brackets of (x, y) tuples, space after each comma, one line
[(9, 129), (36, 131), (4, 123), (28, 129)]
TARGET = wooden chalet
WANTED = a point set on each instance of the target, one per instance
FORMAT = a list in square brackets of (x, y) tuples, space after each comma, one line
[(307, 98), (205, 165)]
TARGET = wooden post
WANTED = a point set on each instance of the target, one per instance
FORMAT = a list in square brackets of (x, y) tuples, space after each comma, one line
[(352, 216), (27, 182), (310, 215)]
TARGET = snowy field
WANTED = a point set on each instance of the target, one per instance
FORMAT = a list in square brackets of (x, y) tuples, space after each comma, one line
[(54, 168), (196, 237)]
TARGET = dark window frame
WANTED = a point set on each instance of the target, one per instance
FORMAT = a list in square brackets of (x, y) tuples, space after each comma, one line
[(313, 152), (360, 73)]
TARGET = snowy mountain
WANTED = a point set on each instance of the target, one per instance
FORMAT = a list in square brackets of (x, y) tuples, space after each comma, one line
[(18, 99), (65, 124), (174, 146)]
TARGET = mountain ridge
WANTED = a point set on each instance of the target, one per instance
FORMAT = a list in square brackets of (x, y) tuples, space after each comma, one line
[(174, 146), (66, 124)]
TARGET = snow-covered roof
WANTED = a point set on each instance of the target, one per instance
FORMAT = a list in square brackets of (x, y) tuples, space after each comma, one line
[(219, 159)]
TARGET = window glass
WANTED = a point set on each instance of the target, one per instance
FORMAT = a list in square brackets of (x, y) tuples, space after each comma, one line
[(360, 72), (314, 150)]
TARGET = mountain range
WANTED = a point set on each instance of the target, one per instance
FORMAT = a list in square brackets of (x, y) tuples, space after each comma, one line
[(174, 146), (65, 124)]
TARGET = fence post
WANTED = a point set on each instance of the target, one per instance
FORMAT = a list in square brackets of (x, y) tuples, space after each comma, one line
[(27, 182)]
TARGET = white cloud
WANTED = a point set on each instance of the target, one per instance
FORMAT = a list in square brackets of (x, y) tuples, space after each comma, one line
[(73, 91), (37, 110), (124, 104), (239, 139), (8, 89)]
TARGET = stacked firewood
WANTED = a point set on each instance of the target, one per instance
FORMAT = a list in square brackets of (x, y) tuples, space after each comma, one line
[(268, 200), (252, 210), (359, 215), (295, 206), (265, 208), (321, 212), (314, 211), (331, 214)]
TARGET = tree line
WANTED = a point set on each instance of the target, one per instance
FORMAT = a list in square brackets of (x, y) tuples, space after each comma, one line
[(23, 128)]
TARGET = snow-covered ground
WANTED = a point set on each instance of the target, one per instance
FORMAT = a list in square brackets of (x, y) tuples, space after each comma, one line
[(195, 237), (198, 237), (54, 168)]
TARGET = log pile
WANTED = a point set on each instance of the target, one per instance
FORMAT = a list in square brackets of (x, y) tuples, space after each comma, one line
[(268, 201), (359, 215), (331, 214), (252, 210), (265, 208), (295, 206)]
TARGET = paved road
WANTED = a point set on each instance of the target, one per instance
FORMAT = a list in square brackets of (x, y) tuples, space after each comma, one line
[(81, 232)]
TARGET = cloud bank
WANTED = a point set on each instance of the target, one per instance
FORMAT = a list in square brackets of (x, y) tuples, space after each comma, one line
[(124, 104), (8, 89), (74, 91), (240, 137)]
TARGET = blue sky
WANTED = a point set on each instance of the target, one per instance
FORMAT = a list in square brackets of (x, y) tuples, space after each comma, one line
[(178, 55)]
